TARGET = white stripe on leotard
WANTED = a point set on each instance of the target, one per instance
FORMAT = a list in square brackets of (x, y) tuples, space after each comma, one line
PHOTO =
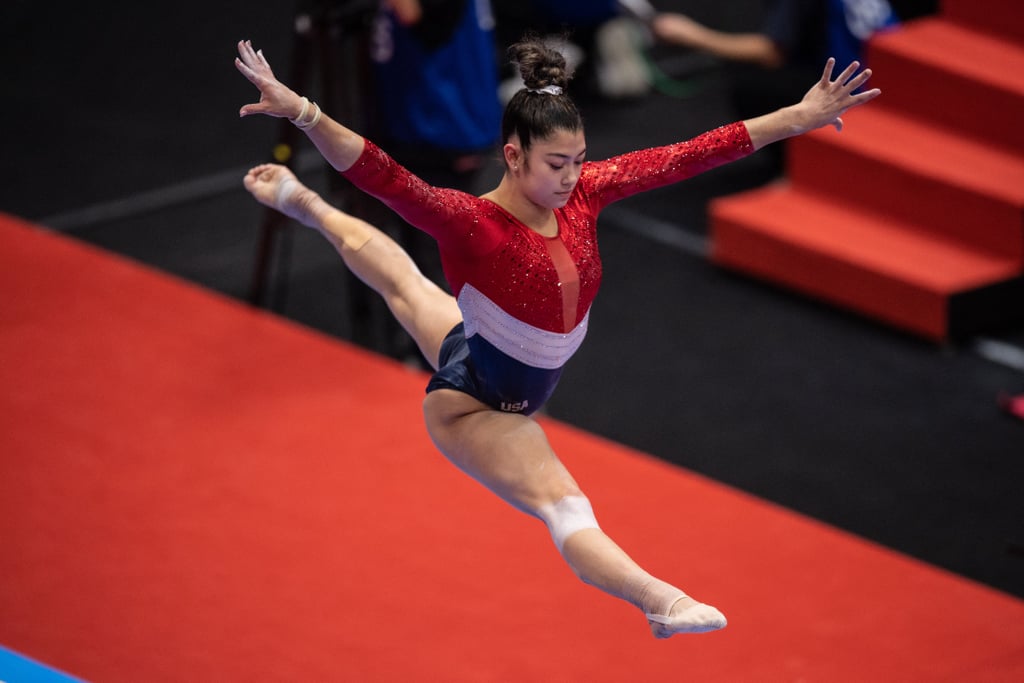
[(527, 344)]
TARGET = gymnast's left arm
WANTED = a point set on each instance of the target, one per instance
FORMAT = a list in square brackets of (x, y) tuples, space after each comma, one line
[(604, 182), (627, 174), (823, 105)]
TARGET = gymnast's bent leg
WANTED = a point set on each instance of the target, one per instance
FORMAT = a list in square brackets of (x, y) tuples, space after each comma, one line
[(427, 312), (510, 454)]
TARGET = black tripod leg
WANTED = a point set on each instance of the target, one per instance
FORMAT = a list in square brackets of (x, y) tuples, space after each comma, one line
[(344, 70), (275, 225), (263, 268)]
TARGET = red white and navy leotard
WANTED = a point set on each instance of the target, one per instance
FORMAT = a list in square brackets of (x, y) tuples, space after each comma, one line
[(525, 298)]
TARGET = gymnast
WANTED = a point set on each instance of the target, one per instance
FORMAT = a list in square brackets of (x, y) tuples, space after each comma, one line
[(523, 265)]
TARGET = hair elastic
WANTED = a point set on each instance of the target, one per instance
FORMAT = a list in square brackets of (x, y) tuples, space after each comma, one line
[(548, 90)]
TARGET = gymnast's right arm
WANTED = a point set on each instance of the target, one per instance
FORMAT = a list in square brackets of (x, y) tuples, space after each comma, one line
[(340, 146), (431, 209)]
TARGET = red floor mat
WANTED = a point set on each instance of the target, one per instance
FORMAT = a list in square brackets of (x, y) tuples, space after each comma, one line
[(195, 490)]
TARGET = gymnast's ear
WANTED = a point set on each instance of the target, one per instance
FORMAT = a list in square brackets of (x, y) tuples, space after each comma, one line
[(513, 154)]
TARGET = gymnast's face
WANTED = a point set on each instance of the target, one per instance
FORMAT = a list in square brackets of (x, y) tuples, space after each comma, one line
[(552, 168)]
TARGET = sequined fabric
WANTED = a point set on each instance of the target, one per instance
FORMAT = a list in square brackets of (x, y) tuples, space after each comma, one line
[(511, 264)]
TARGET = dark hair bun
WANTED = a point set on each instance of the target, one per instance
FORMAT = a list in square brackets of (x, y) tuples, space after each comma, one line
[(539, 64)]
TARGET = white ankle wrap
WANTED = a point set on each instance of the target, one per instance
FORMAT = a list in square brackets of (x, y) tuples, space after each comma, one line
[(567, 516), (284, 192)]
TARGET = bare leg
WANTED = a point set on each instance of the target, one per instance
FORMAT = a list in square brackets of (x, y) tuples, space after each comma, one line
[(427, 312), (510, 455)]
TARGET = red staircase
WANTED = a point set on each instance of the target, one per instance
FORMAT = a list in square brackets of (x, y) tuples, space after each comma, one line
[(914, 214)]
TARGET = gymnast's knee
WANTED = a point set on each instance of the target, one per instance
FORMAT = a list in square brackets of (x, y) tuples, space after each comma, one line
[(567, 516)]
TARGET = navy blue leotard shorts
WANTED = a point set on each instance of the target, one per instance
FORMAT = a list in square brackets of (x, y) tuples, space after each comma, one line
[(524, 389)]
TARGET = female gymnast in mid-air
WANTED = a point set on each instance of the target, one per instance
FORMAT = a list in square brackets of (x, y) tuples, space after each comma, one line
[(523, 264)]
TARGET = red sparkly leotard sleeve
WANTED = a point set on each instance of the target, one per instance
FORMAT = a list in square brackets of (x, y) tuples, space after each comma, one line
[(526, 298), (613, 179)]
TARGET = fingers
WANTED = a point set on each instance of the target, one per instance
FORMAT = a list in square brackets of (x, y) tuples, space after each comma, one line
[(858, 80), (848, 72), (245, 63), (866, 96), (246, 52), (258, 108), (826, 74), (848, 77), (252, 60), (254, 66), (246, 71)]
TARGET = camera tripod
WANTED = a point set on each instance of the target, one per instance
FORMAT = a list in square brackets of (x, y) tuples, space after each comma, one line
[(330, 39)]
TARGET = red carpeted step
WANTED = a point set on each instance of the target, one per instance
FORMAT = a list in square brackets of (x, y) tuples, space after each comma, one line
[(953, 186), (1002, 17), (969, 81), (884, 269)]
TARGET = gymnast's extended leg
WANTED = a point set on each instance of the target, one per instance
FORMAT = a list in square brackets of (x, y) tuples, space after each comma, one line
[(506, 452), (427, 312), (510, 455)]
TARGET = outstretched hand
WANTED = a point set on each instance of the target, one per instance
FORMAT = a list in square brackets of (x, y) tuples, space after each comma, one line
[(828, 99), (276, 99)]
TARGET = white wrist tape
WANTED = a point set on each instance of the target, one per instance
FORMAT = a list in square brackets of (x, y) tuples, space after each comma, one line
[(300, 121), (567, 516), (302, 112)]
